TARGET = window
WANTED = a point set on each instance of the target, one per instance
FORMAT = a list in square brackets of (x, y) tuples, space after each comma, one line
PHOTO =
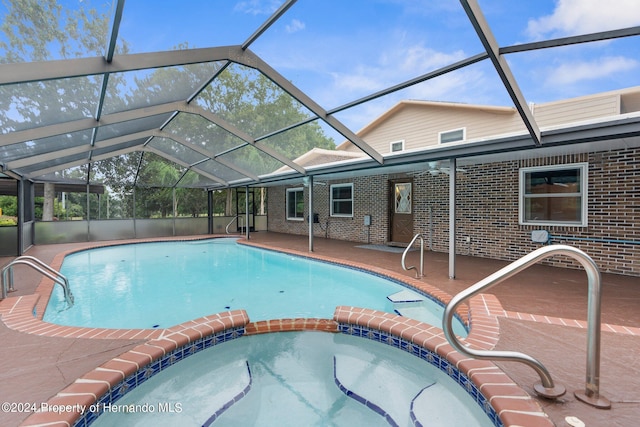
[(295, 204), (402, 198), (342, 200), (554, 195), (396, 146), (452, 135)]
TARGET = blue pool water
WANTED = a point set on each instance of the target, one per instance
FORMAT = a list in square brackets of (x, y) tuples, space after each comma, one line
[(298, 379), (150, 285)]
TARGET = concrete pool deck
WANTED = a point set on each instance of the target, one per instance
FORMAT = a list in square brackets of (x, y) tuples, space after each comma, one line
[(542, 312)]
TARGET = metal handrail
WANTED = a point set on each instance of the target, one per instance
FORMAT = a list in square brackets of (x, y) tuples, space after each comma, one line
[(546, 388), (41, 267), (237, 217), (404, 255)]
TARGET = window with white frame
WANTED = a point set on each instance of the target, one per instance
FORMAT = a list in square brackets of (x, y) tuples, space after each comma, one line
[(554, 195), (295, 204), (452, 135), (342, 200), (396, 146)]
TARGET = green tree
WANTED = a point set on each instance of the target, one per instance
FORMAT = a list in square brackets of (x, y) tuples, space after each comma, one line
[(9, 205), (40, 30)]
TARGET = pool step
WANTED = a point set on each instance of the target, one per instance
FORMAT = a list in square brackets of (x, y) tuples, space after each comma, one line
[(411, 304), (405, 297), (237, 385), (376, 386), (432, 407)]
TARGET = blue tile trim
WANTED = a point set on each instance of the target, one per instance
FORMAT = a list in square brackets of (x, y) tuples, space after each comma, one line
[(433, 358), (414, 419), (230, 403), (355, 396), (142, 375)]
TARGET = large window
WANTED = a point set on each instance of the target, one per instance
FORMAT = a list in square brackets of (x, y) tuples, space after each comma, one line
[(295, 204), (554, 195), (342, 200)]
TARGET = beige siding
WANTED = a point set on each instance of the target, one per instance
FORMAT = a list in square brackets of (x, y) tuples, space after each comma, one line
[(419, 126), (418, 123), (630, 103), (577, 110)]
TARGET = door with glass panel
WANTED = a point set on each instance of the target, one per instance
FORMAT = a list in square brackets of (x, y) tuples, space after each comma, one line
[(401, 211), (241, 210)]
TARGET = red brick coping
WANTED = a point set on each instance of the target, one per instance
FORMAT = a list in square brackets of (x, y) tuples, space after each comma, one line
[(513, 405)]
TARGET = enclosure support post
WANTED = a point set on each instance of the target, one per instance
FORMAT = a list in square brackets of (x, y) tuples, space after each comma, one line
[(20, 242), (173, 209), (246, 211), (210, 211), (452, 218), (88, 212), (133, 192), (310, 217)]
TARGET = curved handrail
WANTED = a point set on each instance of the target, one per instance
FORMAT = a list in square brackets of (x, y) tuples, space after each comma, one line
[(36, 264), (237, 217), (547, 387), (404, 255)]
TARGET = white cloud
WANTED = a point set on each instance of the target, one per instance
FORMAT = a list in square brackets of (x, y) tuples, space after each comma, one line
[(572, 17), (295, 26), (572, 72), (257, 7), (393, 66)]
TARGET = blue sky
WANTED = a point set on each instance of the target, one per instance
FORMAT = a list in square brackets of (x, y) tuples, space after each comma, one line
[(338, 51)]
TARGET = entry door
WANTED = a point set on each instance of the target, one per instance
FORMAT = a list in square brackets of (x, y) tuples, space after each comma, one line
[(241, 195), (401, 211)]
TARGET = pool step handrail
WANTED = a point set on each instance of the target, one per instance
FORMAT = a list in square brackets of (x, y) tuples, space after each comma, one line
[(235, 218), (36, 264), (546, 388), (420, 273)]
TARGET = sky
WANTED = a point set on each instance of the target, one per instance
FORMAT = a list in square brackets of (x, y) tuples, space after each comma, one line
[(338, 51)]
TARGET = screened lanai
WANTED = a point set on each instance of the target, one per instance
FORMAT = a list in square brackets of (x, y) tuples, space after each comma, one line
[(174, 118)]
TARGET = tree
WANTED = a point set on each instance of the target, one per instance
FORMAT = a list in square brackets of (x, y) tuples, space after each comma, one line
[(9, 205), (40, 30)]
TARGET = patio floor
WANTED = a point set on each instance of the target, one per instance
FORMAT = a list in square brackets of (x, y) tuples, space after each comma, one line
[(34, 368)]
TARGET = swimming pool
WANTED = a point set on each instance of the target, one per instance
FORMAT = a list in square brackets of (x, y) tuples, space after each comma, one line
[(161, 284), (297, 379)]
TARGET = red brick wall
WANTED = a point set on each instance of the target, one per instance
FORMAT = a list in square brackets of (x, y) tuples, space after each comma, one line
[(487, 211)]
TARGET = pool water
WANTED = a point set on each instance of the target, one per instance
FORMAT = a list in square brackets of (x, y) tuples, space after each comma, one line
[(297, 379), (159, 285)]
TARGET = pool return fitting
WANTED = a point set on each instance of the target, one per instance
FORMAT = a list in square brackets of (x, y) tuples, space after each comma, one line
[(546, 387)]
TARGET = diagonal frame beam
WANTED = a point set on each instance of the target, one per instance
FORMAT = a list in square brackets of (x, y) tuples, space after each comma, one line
[(108, 119), (477, 19), (249, 59)]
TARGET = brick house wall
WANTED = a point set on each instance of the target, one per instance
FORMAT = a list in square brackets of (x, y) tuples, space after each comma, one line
[(487, 211)]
